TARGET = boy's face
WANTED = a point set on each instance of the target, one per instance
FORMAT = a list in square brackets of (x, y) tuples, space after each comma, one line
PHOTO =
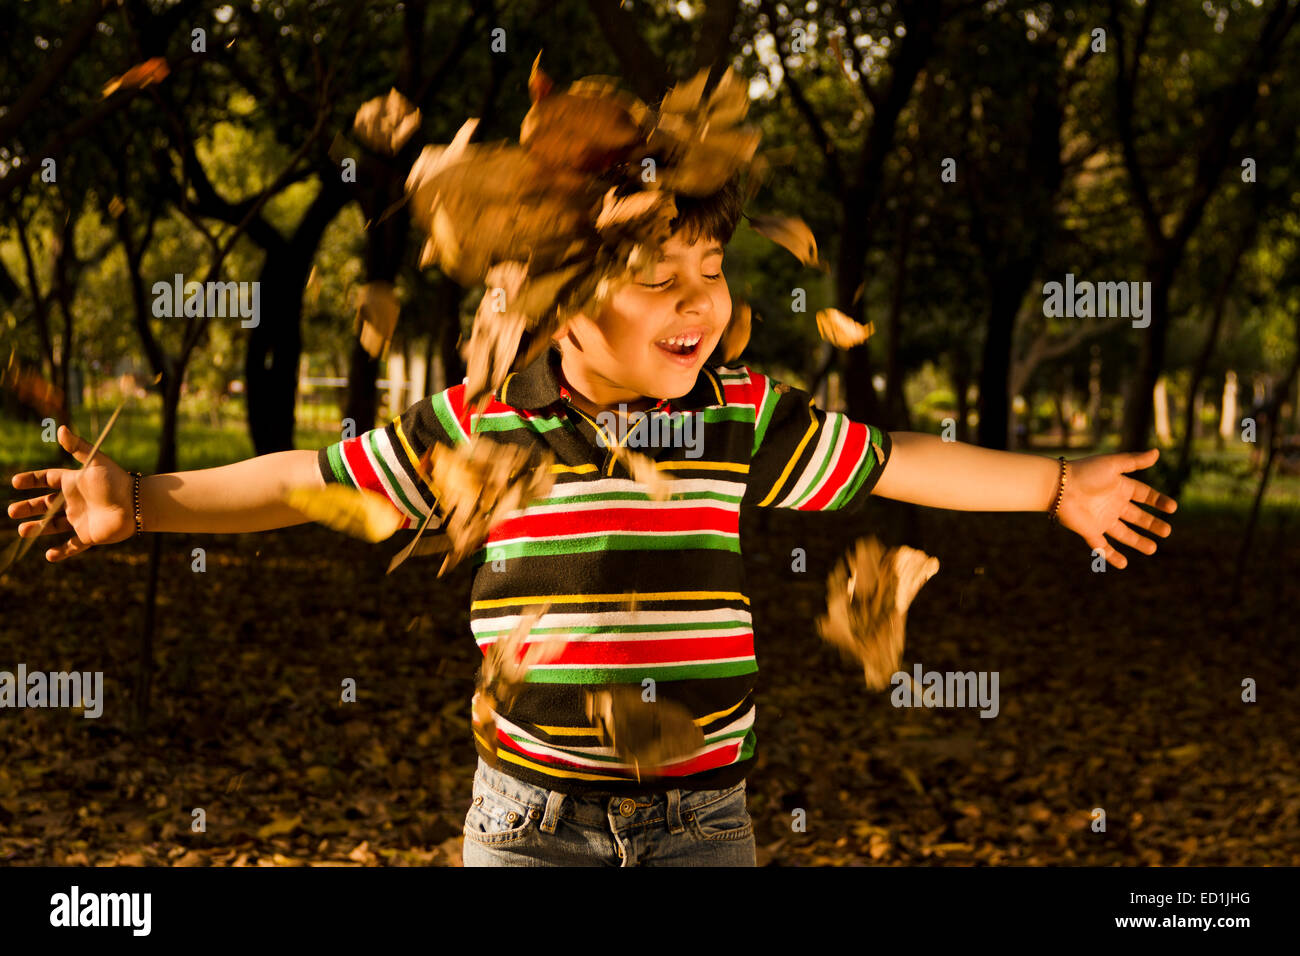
[(625, 354)]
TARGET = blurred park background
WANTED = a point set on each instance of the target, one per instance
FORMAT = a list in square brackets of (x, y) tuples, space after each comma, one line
[(952, 158)]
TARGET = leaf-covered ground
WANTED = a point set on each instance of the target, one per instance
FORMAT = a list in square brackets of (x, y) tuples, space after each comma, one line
[(1119, 690)]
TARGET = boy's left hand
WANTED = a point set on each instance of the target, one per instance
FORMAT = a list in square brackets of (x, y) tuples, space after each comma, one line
[(1098, 494)]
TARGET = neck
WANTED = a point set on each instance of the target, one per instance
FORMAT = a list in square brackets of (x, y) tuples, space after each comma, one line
[(594, 395)]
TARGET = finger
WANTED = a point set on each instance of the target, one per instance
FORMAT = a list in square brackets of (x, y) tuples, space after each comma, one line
[(1146, 495), (32, 506), (59, 524), (73, 546), (1145, 520), (1126, 535), (1110, 554), (1138, 460), (74, 444), (41, 478)]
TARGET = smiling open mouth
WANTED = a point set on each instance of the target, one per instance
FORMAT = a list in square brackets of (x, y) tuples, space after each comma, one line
[(683, 345)]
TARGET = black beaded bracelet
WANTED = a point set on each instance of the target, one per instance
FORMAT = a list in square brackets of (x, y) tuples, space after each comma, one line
[(135, 500), (1052, 515)]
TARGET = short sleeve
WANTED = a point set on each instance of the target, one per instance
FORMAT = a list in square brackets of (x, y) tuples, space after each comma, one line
[(385, 459), (806, 458)]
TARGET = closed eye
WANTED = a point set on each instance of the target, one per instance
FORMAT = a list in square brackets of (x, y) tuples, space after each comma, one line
[(667, 282)]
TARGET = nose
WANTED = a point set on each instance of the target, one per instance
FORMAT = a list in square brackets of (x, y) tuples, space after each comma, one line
[(695, 298)]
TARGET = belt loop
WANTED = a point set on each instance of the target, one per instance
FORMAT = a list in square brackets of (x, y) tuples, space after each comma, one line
[(554, 799), (674, 821)]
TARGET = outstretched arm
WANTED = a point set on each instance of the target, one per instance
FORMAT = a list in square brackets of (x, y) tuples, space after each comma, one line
[(925, 470), (244, 496)]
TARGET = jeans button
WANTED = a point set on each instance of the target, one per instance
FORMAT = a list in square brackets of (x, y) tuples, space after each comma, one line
[(477, 801), (627, 807), (511, 817), (533, 814)]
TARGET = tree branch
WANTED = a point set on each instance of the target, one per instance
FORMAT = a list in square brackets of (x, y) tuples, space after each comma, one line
[(805, 108)]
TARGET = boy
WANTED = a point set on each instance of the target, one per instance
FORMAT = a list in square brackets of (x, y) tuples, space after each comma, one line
[(643, 593)]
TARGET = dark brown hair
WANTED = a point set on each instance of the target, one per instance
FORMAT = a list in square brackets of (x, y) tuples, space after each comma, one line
[(714, 216)]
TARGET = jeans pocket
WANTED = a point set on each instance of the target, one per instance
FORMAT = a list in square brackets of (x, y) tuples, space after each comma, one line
[(721, 819), (494, 818)]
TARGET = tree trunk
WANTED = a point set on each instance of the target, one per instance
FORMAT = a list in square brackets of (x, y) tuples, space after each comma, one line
[(1007, 291), (275, 343), (861, 402), (961, 383)]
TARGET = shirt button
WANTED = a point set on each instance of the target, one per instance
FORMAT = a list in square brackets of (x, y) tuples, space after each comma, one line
[(627, 807)]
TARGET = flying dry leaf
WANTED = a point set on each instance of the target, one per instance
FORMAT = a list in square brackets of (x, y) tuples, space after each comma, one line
[(867, 596), (572, 204), (313, 286), (358, 512), (736, 336), (840, 331), (386, 123), (506, 664), (648, 734), (587, 128), (790, 233), (151, 71), (419, 545), (29, 387), (620, 211), (478, 484), (645, 472), (377, 309), (539, 84)]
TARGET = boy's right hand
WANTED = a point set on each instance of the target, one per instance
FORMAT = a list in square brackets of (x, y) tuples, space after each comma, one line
[(98, 508)]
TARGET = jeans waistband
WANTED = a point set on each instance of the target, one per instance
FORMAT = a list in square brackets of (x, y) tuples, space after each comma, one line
[(599, 809)]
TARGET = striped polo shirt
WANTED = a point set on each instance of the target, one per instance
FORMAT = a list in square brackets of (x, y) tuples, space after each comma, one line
[(638, 588)]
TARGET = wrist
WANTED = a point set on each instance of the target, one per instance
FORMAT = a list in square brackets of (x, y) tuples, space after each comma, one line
[(1060, 479), (142, 503)]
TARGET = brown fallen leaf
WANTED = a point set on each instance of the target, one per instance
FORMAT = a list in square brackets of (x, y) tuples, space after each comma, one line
[(790, 233), (420, 545), (644, 471), (29, 387), (649, 734), (279, 827), (506, 664), (377, 310), (153, 70), (589, 127), (358, 512), (736, 336), (478, 484), (386, 123), (840, 331), (539, 84), (868, 593), (580, 207)]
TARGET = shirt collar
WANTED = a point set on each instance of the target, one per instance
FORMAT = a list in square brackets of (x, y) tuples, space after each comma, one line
[(538, 385)]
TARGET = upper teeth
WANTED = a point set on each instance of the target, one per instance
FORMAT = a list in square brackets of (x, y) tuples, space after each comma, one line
[(683, 341)]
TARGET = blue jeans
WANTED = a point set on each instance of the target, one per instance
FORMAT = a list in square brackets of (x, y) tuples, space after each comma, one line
[(513, 823)]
